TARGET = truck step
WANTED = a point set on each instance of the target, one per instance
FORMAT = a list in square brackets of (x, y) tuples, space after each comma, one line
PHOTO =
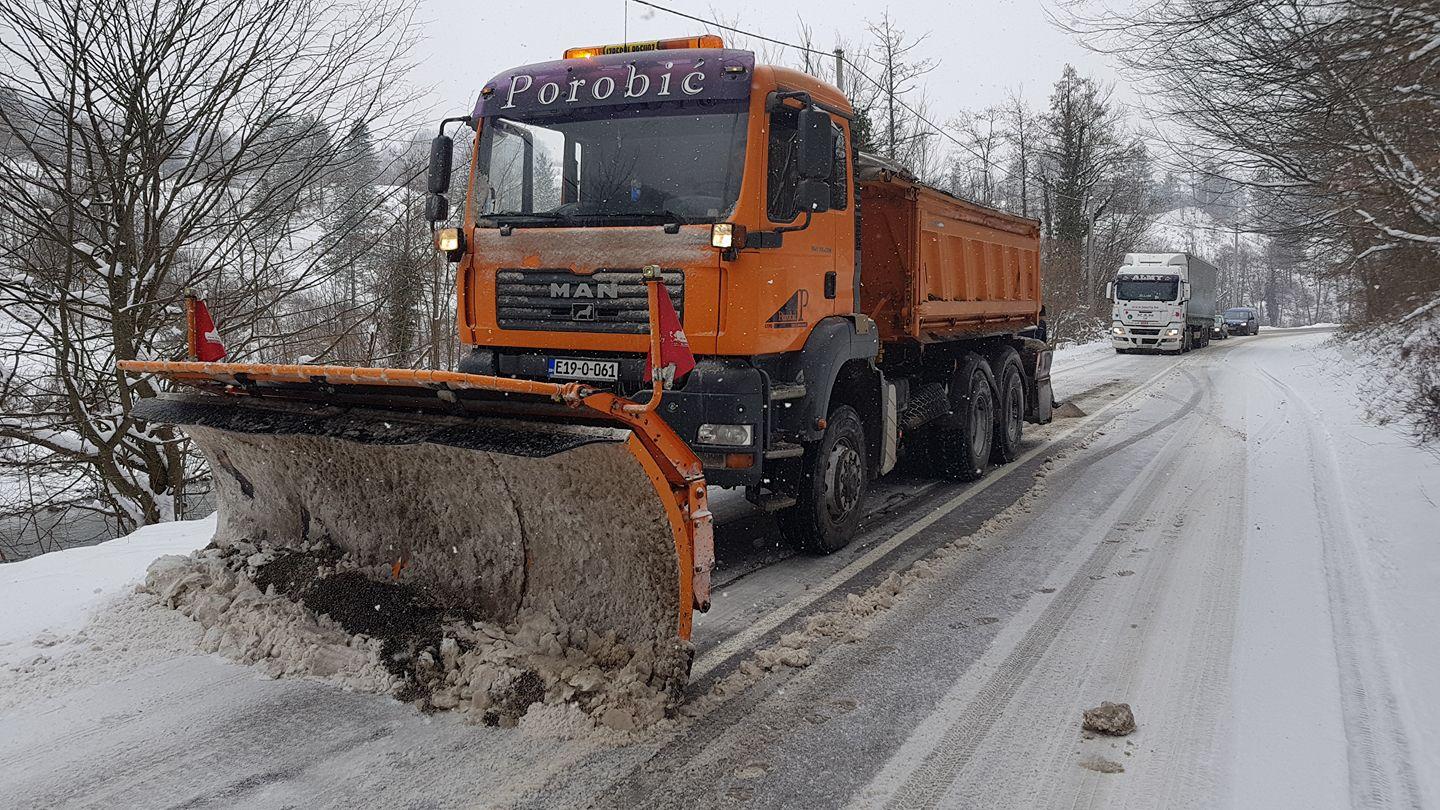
[(784, 450), (787, 391), (774, 501)]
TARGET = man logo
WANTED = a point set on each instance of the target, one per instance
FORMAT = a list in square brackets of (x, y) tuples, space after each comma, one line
[(582, 312), (597, 290)]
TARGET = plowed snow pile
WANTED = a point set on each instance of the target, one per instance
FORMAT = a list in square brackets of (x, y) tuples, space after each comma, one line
[(314, 612)]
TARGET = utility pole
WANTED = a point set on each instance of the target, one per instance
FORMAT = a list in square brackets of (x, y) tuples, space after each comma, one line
[(840, 69)]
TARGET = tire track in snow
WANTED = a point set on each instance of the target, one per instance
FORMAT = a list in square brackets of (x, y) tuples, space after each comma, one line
[(737, 644), (1381, 769), (942, 750)]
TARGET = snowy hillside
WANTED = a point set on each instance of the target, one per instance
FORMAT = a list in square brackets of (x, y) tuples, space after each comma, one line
[(1192, 230)]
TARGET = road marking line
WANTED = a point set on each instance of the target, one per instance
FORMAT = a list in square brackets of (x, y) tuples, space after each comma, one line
[(722, 651)]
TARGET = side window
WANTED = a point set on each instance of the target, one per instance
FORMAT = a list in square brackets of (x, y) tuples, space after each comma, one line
[(840, 178), (782, 173)]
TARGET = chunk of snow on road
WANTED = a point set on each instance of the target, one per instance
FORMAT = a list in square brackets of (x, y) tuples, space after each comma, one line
[(491, 674)]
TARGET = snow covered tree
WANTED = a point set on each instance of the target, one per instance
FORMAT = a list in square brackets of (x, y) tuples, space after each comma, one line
[(155, 147), (354, 232), (1095, 199)]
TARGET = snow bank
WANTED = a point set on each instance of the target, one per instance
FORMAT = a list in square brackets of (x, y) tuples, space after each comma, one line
[(125, 634), (1404, 387), (51, 596), (246, 625), (1074, 355)]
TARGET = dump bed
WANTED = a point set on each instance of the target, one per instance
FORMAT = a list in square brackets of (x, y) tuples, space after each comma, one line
[(934, 267)]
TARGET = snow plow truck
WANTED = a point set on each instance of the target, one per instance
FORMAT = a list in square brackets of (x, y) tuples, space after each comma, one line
[(840, 314)]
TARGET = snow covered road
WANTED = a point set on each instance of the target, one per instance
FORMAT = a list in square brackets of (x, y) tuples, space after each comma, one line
[(1221, 542)]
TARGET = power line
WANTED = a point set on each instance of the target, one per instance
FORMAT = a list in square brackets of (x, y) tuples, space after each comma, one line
[(898, 100), (732, 28)]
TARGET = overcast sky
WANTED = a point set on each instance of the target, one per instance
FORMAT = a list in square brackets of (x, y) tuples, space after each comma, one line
[(983, 48)]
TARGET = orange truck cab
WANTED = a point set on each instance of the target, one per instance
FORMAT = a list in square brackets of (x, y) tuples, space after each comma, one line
[(835, 306)]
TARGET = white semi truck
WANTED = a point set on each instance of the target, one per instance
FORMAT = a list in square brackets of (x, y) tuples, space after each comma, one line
[(1162, 302)]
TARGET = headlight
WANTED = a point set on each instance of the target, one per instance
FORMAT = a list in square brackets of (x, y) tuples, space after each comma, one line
[(725, 235), (448, 240), (729, 435), (1171, 332), (1116, 330)]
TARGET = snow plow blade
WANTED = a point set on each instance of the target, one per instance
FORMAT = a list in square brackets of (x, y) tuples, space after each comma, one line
[(497, 496)]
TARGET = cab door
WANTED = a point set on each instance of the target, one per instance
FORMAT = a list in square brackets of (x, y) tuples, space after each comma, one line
[(806, 282)]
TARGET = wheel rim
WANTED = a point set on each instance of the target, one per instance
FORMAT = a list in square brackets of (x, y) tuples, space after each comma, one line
[(846, 480), (1013, 413), (982, 418)]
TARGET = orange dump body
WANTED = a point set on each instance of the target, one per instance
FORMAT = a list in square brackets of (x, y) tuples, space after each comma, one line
[(935, 267)]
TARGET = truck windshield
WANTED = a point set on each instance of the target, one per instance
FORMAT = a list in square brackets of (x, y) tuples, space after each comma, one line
[(1164, 288), (616, 165)]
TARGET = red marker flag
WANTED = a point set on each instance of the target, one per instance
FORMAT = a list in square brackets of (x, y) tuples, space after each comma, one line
[(675, 357), (205, 342)]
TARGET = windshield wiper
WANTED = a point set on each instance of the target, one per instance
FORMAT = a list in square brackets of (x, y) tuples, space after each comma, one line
[(527, 214), (512, 218), (647, 216)]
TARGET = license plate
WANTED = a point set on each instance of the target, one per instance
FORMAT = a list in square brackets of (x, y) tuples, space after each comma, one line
[(571, 369)]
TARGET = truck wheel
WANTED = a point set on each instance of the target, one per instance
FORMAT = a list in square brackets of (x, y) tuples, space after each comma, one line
[(1010, 415), (832, 486), (963, 452)]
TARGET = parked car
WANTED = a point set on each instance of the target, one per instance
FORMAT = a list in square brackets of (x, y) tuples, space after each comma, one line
[(1218, 329), (1242, 320)]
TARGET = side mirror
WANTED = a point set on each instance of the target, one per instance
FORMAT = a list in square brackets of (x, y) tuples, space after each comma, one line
[(1184, 291), (816, 139), (1110, 290), (812, 196), (437, 208), (438, 179)]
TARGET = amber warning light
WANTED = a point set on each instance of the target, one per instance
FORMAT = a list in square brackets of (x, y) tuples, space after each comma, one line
[(703, 41)]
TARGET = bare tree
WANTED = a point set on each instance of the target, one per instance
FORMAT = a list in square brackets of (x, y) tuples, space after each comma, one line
[(898, 74), (1020, 135), (974, 170), (155, 147)]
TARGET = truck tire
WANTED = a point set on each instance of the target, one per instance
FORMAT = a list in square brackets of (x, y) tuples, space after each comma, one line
[(830, 496), (962, 452), (1010, 409)]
